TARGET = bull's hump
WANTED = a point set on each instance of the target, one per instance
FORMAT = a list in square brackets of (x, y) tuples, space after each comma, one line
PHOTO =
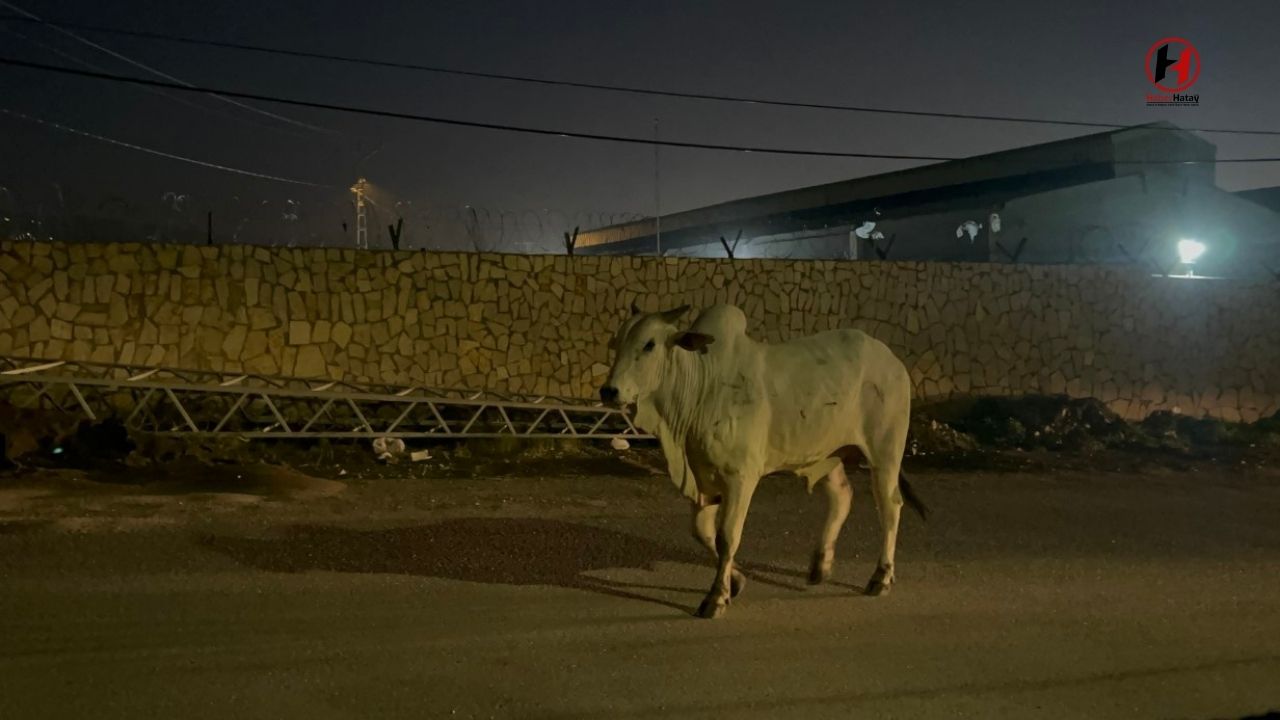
[(721, 322)]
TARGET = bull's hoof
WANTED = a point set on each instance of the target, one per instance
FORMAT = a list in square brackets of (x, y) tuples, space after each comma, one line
[(880, 581), (819, 568), (737, 581), (712, 609), (876, 589)]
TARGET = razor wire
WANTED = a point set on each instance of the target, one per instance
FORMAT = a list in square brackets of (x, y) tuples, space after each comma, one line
[(52, 212)]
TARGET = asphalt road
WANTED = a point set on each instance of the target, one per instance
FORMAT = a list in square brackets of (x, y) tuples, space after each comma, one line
[(1056, 595)]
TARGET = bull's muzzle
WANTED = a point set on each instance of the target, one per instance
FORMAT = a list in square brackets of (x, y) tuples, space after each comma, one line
[(609, 395)]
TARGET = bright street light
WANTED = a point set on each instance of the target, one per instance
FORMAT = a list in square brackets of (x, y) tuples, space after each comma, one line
[(1190, 250)]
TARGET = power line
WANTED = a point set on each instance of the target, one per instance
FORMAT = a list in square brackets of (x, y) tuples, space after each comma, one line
[(158, 73), (452, 121), (170, 96), (187, 40), (542, 131), (160, 153)]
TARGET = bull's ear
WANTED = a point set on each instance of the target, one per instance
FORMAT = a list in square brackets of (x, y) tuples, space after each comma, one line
[(671, 316), (635, 309), (692, 341)]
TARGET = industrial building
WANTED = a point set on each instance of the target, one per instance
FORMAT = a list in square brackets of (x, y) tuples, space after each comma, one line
[(1142, 194)]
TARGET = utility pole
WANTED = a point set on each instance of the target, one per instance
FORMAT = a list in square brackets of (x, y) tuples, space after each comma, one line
[(657, 189), (362, 227)]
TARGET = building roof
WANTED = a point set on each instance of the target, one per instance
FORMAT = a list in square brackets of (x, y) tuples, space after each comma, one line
[(929, 188), (1268, 197)]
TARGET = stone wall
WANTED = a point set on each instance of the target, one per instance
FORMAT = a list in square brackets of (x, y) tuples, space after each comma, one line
[(541, 323)]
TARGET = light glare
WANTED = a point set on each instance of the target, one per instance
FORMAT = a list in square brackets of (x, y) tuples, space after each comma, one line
[(1190, 250)]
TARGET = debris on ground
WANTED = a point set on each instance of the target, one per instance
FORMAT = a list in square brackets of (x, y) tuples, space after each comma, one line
[(167, 449), (23, 431), (984, 432), (1053, 422), (931, 436), (388, 449), (1079, 425)]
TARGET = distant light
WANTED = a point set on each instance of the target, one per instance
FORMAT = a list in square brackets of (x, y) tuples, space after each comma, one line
[(970, 228), (1190, 250), (57, 451)]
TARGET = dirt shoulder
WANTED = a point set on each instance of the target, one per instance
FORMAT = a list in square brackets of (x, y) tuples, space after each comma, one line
[(267, 483)]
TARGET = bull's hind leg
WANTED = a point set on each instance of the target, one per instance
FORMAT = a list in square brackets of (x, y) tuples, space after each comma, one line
[(839, 499), (884, 485), (704, 531)]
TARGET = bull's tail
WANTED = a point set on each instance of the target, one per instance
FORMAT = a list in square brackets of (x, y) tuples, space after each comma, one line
[(910, 497)]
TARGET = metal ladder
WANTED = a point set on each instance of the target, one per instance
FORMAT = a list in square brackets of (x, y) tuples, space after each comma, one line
[(175, 401)]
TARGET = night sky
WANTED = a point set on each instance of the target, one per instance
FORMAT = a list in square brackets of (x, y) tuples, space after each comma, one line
[(1078, 60)]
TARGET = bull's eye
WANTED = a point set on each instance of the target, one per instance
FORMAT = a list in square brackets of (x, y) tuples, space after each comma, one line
[(648, 347)]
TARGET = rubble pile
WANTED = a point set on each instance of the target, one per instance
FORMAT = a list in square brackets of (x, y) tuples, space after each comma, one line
[(1058, 422)]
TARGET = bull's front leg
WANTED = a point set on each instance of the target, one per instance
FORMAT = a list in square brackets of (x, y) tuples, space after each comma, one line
[(705, 513), (733, 515)]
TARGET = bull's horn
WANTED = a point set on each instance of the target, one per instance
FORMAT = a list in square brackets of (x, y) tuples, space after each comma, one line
[(635, 309), (675, 314)]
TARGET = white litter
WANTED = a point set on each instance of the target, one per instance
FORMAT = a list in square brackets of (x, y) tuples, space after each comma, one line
[(387, 448)]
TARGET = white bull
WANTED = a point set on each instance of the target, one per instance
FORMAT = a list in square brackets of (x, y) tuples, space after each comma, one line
[(729, 410)]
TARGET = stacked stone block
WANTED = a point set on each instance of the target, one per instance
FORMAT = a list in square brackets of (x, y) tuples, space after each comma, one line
[(540, 324)]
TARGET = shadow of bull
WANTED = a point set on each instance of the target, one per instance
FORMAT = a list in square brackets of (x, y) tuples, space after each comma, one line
[(507, 551)]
